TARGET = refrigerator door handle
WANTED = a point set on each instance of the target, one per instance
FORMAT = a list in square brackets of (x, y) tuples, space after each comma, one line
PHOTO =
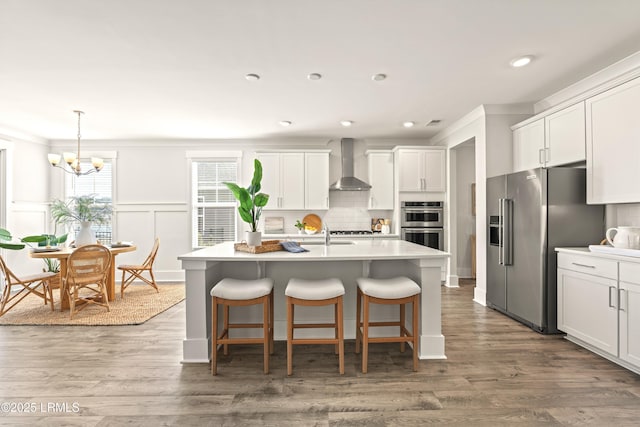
[(500, 231), (507, 244)]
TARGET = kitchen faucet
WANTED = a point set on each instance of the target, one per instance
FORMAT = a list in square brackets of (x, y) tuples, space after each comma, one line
[(327, 236)]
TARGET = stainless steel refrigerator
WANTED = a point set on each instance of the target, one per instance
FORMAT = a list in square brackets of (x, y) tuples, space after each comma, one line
[(529, 214)]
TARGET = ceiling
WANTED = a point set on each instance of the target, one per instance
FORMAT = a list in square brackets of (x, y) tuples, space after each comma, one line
[(162, 69)]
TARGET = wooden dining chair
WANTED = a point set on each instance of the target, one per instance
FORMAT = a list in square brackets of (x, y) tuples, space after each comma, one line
[(15, 289), (136, 271), (86, 279)]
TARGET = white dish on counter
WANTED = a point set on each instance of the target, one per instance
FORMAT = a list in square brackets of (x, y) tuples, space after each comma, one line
[(615, 251)]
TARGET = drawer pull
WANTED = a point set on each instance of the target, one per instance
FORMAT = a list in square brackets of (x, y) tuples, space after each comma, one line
[(583, 265)]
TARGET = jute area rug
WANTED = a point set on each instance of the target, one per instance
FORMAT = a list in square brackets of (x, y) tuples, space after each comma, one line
[(140, 304)]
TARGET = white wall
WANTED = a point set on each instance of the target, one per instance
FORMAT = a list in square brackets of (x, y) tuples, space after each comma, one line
[(465, 221), (27, 196)]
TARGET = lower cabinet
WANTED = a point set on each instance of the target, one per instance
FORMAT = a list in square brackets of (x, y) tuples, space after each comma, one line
[(630, 312), (599, 305), (585, 310)]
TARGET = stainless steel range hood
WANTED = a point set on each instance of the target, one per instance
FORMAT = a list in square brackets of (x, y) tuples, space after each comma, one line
[(348, 182)]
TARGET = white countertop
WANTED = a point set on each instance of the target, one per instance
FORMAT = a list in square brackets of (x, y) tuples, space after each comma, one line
[(587, 252), (369, 249), (305, 236)]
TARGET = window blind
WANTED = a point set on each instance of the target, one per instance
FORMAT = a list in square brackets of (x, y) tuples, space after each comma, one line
[(214, 206)]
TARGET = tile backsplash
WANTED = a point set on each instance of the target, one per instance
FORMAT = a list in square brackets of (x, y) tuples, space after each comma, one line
[(347, 218), (623, 214)]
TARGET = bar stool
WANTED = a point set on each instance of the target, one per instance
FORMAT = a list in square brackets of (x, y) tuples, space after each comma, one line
[(235, 293), (398, 290), (315, 293)]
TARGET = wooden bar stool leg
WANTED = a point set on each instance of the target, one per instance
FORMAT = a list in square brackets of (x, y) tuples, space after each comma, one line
[(214, 336), (226, 328), (416, 303), (402, 326), (340, 323), (289, 336), (365, 334), (265, 331), (271, 322), (335, 332), (358, 321)]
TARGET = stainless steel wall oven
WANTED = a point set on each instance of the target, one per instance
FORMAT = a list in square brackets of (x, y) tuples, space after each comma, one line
[(423, 223)]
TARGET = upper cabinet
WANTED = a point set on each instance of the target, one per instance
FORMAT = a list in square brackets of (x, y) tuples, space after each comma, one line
[(295, 180), (613, 145), (421, 169), (565, 136), (316, 180), (380, 164), (553, 140), (528, 146)]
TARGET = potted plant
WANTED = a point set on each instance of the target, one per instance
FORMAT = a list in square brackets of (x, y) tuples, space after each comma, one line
[(86, 210), (251, 203), (300, 226)]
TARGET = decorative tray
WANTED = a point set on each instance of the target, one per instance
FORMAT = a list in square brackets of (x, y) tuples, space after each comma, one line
[(267, 246), (43, 249)]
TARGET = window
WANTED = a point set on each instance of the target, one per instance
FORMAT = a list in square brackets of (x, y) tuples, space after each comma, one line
[(213, 204), (99, 183)]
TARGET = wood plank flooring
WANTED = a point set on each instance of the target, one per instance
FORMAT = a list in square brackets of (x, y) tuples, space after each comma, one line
[(498, 372)]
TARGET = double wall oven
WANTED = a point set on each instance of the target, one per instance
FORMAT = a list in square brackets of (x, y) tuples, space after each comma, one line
[(423, 223)]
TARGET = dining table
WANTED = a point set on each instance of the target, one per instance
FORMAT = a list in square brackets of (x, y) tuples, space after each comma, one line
[(62, 254)]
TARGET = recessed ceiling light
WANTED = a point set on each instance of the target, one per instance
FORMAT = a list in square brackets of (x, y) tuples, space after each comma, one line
[(252, 77), (285, 123), (521, 61), (314, 76), (346, 123), (378, 77), (408, 124)]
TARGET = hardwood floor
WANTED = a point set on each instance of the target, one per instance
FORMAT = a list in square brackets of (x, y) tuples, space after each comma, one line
[(498, 372)]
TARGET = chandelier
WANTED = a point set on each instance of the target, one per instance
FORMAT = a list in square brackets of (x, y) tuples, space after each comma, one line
[(73, 159)]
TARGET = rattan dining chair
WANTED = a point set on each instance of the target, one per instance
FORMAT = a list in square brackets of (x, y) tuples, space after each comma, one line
[(86, 279), (15, 289), (136, 271)]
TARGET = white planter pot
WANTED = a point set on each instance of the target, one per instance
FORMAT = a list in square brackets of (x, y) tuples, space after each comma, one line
[(85, 236), (254, 238)]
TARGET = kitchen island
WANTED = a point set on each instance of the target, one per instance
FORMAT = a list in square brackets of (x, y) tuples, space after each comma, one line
[(346, 260)]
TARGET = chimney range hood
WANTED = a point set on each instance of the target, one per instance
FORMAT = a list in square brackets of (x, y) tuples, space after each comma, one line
[(348, 182)]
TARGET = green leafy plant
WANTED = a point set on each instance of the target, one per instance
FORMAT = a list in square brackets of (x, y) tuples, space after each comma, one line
[(7, 242), (299, 225), (251, 200), (81, 209)]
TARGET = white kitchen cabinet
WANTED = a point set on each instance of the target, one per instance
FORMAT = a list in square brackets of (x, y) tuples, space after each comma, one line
[(295, 180), (599, 304), (421, 169), (528, 146), (316, 180), (630, 312), (613, 145), (283, 179), (585, 310), (565, 136), (553, 140), (380, 164)]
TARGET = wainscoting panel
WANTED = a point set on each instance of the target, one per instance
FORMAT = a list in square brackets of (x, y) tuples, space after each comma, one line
[(142, 223)]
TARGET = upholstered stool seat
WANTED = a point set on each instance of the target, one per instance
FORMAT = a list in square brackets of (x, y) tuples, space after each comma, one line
[(235, 292), (315, 293), (394, 291)]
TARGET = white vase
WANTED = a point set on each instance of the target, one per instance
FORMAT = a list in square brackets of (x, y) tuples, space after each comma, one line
[(85, 236), (254, 238)]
